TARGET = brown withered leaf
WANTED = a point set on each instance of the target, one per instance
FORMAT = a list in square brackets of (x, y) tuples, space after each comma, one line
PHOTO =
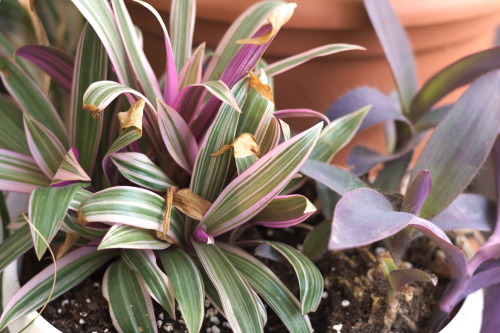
[(69, 241), (191, 204), (80, 219), (169, 199), (244, 145), (132, 117), (263, 89), (95, 112)]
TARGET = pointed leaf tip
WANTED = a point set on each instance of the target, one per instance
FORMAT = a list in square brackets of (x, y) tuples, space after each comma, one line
[(417, 192)]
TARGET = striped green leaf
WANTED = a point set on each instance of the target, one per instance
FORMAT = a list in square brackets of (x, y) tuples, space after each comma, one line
[(285, 211), (31, 99), (126, 237), (20, 173), (45, 148), (12, 128), (70, 170), (131, 206), (338, 134), (187, 284), (271, 137), (140, 170), (72, 269), (243, 163), (78, 198), (91, 65), (180, 142), (239, 301), (191, 72), (130, 305), (156, 282), (125, 138), (47, 208), (270, 287), (135, 54), (69, 225), (294, 61), (220, 90), (310, 279), (210, 173), (12, 247), (251, 191), (182, 17)]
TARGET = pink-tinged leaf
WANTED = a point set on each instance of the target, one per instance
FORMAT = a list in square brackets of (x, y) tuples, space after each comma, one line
[(20, 173), (182, 20), (172, 78), (417, 192), (191, 72), (399, 278), (58, 64), (177, 136), (396, 47), (271, 136), (285, 211), (201, 236), (70, 171), (189, 101), (491, 319), (45, 147), (459, 73), (457, 149), (300, 113), (251, 192)]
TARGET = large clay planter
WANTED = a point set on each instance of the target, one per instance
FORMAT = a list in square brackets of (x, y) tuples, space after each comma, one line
[(441, 31)]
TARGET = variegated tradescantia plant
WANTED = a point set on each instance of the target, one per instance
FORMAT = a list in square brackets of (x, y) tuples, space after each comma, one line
[(164, 210)]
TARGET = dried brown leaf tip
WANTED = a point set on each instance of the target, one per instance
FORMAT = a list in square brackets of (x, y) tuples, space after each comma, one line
[(132, 117), (70, 240), (95, 112), (191, 204), (244, 145), (81, 219), (169, 199), (263, 89)]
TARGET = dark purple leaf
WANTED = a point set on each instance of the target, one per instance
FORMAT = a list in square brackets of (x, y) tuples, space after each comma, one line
[(491, 319), (188, 101), (417, 192), (461, 72), (399, 278), (396, 47)]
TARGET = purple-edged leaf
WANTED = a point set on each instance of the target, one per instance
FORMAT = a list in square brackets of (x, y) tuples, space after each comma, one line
[(45, 147), (12, 128), (30, 98), (454, 157), (58, 64), (189, 101), (47, 208), (177, 136), (467, 211), (191, 72), (310, 279), (399, 278), (12, 247), (396, 47), (270, 287), (251, 191), (285, 211), (91, 65), (382, 109), (70, 170), (187, 284), (155, 281), (131, 206), (127, 237), (131, 311), (238, 299), (20, 173), (491, 309), (461, 72), (298, 59), (300, 113), (182, 17), (71, 270), (334, 178), (417, 192)]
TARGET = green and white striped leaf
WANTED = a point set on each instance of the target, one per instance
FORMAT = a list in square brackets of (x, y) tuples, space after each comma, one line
[(130, 305), (310, 279), (69, 225), (12, 247), (72, 269), (45, 148), (31, 99), (182, 18), (47, 208), (12, 128), (188, 285), (243, 163), (20, 173), (125, 138), (131, 206), (210, 173), (285, 211), (191, 72), (155, 281), (70, 170), (251, 191), (126, 237), (293, 61), (271, 136), (338, 134), (78, 198), (220, 90), (269, 287), (91, 65), (239, 301)]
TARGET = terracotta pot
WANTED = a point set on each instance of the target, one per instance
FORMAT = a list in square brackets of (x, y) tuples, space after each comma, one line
[(440, 32)]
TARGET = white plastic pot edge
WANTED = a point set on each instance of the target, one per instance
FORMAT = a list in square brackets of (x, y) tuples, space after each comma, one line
[(470, 316), (10, 285)]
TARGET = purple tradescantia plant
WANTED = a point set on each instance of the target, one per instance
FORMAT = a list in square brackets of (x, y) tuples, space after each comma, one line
[(195, 159)]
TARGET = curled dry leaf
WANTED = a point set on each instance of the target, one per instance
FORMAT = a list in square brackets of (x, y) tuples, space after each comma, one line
[(95, 112), (262, 88), (191, 204), (244, 145), (69, 241), (132, 117), (169, 200), (277, 19)]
